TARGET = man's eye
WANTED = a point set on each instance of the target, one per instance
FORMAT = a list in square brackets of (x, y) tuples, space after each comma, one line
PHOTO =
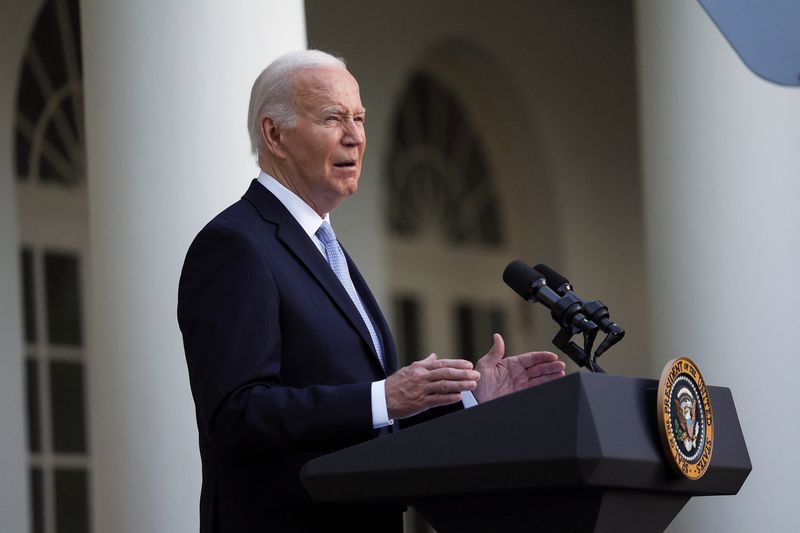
[(359, 119), (332, 118)]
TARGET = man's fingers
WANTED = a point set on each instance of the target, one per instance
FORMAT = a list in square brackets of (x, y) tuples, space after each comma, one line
[(543, 369), (432, 363), (545, 378), (453, 374), (447, 387), (535, 358)]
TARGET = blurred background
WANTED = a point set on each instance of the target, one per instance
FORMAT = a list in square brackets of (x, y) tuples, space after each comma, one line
[(622, 142)]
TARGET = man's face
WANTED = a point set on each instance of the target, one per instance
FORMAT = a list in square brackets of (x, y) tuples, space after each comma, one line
[(323, 151)]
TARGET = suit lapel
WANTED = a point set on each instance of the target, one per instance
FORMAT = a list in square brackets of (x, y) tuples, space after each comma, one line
[(295, 239), (389, 350)]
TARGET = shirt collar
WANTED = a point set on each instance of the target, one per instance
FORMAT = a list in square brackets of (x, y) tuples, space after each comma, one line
[(308, 219)]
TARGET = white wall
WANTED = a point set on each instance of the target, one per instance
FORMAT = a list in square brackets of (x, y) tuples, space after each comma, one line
[(166, 88), (16, 18), (722, 183)]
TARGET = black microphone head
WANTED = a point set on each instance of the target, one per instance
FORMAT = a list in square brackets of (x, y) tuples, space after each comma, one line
[(520, 276), (554, 279)]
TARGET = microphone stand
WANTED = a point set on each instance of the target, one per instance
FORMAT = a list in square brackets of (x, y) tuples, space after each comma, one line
[(563, 341)]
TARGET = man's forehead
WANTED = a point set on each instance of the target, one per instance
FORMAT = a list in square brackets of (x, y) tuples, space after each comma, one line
[(326, 87)]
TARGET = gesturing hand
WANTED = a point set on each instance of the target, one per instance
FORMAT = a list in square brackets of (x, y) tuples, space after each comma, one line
[(428, 383), (501, 376)]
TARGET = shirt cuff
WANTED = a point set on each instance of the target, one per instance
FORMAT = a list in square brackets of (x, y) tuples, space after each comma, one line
[(468, 399), (380, 413)]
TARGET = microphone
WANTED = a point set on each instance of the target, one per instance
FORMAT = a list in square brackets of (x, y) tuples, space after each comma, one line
[(595, 310), (531, 285), (559, 283)]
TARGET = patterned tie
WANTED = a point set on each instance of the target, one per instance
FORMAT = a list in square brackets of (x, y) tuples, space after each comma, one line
[(339, 265)]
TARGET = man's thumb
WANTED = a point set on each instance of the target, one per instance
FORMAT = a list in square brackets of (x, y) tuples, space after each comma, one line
[(498, 349)]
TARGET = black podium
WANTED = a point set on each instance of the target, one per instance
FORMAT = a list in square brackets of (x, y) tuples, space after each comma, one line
[(578, 454)]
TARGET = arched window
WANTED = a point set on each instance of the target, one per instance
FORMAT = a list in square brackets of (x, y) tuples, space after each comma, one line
[(49, 112), (439, 176)]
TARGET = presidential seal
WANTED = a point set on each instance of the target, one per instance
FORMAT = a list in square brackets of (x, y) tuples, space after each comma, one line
[(685, 421)]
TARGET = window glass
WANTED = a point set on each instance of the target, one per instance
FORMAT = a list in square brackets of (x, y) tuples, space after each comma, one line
[(32, 392), (37, 501), (465, 327), (28, 296), (474, 326), (406, 312), (67, 407), (63, 299), (72, 500)]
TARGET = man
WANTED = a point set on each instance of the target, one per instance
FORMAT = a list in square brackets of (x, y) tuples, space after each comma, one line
[(289, 355)]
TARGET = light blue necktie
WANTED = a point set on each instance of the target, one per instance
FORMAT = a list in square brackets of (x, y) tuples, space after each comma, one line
[(339, 265)]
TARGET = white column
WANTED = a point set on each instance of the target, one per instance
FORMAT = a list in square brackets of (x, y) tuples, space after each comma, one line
[(721, 165), (167, 85)]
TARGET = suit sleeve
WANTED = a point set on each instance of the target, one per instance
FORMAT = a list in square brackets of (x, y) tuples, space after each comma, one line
[(229, 314)]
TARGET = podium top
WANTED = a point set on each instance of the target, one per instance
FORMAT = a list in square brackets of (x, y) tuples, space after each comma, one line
[(584, 430)]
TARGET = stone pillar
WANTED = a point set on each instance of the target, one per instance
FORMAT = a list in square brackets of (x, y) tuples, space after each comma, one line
[(721, 170), (166, 89)]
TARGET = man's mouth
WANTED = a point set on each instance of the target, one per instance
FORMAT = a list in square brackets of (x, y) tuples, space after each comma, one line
[(349, 163)]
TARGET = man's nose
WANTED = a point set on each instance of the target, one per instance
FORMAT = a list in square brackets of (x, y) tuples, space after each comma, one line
[(353, 133)]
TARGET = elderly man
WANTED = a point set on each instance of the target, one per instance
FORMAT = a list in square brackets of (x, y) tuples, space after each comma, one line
[(289, 355)]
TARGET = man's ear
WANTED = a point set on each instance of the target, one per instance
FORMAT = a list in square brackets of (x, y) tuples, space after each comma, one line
[(271, 137)]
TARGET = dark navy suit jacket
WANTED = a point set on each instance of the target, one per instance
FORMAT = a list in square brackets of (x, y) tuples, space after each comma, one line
[(280, 364)]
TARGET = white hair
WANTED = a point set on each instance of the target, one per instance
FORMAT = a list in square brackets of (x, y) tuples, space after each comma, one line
[(271, 95)]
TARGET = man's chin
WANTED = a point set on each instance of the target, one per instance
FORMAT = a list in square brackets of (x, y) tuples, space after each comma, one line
[(344, 189), (350, 183)]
